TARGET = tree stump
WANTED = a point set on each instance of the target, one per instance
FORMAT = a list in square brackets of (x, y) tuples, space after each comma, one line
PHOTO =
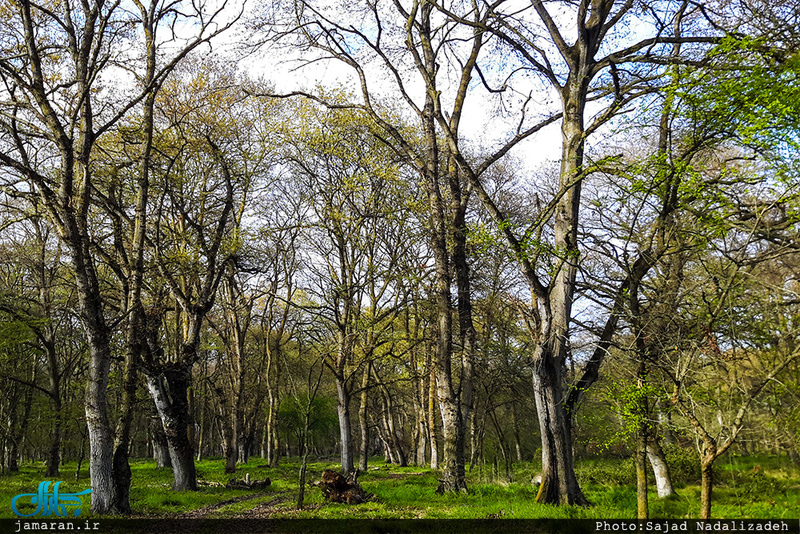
[(336, 488)]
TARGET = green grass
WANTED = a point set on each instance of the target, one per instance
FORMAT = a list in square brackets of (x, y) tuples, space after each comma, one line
[(746, 488)]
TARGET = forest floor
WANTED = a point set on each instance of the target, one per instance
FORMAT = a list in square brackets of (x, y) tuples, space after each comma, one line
[(747, 487)]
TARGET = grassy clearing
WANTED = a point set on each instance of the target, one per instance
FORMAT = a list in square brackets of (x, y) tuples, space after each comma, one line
[(746, 488)]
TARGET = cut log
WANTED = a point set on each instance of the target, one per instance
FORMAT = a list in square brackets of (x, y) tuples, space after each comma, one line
[(336, 488), (246, 484)]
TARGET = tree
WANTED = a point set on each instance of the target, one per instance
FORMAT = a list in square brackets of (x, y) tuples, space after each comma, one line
[(348, 181), (721, 363), (448, 39), (233, 366), (206, 172), (35, 297), (279, 319), (422, 149), (62, 56)]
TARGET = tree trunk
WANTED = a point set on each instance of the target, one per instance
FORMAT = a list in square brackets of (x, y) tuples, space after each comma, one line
[(453, 476), (641, 476), (274, 443), (515, 423), (169, 392), (559, 485), (101, 438), (201, 434), (304, 461), (345, 431), (432, 421), (452, 465), (230, 446), (391, 432), (122, 468), (15, 430), (706, 484), (466, 326), (271, 430), (362, 421), (475, 440), (660, 468), (421, 442), (244, 442), (54, 453)]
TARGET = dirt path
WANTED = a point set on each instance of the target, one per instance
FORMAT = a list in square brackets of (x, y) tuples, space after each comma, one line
[(265, 509), (205, 511)]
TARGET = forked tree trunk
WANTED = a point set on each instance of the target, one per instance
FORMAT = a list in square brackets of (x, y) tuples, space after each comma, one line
[(559, 484)]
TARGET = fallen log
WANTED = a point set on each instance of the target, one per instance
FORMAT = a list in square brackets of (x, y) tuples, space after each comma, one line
[(336, 488)]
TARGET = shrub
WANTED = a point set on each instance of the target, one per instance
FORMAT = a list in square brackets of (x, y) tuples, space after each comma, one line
[(607, 472), (684, 464)]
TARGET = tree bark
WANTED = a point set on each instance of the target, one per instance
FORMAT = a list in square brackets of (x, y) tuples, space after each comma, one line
[(391, 431), (229, 445), (54, 453), (515, 423), (459, 203), (452, 465)]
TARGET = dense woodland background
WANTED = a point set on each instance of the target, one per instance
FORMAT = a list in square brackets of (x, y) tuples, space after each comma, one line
[(202, 256)]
